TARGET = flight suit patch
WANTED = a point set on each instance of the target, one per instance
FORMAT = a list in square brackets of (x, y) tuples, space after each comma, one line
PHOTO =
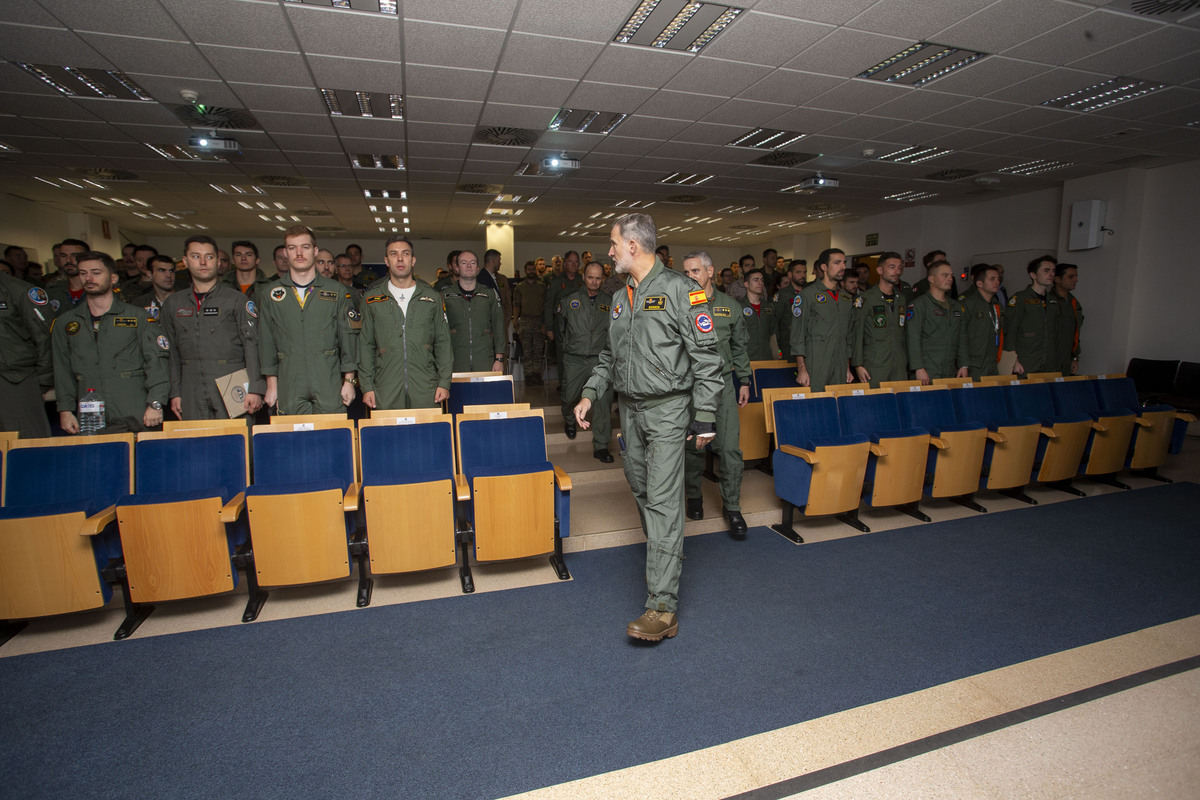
[(54, 304), (603, 309), (939, 312), (324, 295), (1012, 301), (3, 306), (704, 323), (72, 328), (251, 309), (431, 300), (821, 297), (152, 312), (747, 312), (212, 311), (575, 304), (616, 311), (162, 342), (38, 296), (184, 312), (124, 322), (1029, 301), (880, 321), (697, 297), (379, 298), (858, 302), (722, 312), (956, 314), (278, 293), (909, 314), (659, 303)]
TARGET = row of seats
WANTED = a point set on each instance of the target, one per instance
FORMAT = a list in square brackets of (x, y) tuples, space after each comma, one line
[(895, 445), (179, 512)]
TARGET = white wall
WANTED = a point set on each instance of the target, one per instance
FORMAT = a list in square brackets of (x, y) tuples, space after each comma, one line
[(38, 227)]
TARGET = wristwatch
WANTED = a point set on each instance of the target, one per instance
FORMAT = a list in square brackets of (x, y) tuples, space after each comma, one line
[(157, 406)]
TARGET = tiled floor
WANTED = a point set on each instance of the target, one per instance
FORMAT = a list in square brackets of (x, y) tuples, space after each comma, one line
[(1140, 742)]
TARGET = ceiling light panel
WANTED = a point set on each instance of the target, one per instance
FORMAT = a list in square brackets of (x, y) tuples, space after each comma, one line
[(376, 6), (87, 83), (1035, 167), (176, 152), (368, 105), (373, 161), (8, 148), (766, 139), (633, 204), (66, 183), (523, 199), (737, 209), (685, 179), (683, 25), (798, 188), (578, 120), (911, 196), (921, 63), (230, 188), (915, 155), (1104, 94), (397, 194)]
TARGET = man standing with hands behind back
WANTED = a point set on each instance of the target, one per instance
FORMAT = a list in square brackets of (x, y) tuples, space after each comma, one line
[(662, 358)]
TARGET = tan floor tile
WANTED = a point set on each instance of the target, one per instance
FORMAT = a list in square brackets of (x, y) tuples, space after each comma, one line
[(929, 777)]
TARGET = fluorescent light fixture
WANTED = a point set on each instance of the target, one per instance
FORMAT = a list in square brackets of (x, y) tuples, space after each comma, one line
[(685, 179), (375, 161), (766, 139), (702, 220), (633, 204), (229, 188), (920, 63), (382, 6), (681, 25), (737, 209), (911, 196), (177, 152), (8, 148), (97, 84), (399, 194), (577, 120), (786, 224), (1035, 167), (364, 104), (1104, 94), (915, 154), (798, 188)]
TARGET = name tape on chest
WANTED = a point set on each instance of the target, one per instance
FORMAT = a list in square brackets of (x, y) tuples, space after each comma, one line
[(125, 322), (327, 295), (211, 311), (722, 311), (657, 303)]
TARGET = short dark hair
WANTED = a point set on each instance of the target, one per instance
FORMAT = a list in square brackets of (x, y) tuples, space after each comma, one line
[(170, 262), (95, 255), (1061, 269), (769, 250), (795, 262), (569, 253), (823, 259), (452, 256), (12, 248), (75, 243), (145, 248), (931, 256), (356, 247), (244, 243), (743, 258), (885, 255), (199, 238), (489, 254), (394, 240), (1033, 265), (277, 249), (663, 247), (932, 265), (756, 271)]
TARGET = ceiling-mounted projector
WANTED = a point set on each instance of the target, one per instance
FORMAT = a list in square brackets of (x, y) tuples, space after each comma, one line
[(819, 181), (213, 143), (561, 162)]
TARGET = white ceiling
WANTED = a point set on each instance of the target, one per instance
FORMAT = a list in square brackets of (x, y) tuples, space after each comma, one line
[(463, 64)]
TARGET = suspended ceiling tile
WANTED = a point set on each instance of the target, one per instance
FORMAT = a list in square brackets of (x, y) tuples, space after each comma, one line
[(455, 84), (56, 46), (791, 86), (243, 65), (846, 53), (764, 39), (637, 66), (917, 21), (439, 45), (235, 23), (492, 14), (333, 32), (278, 98), (547, 56), (1007, 23), (427, 108), (584, 20), (530, 89), (1082, 37)]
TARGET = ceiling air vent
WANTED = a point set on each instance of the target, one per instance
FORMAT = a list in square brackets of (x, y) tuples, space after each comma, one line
[(105, 174), (280, 181), (686, 199), (506, 137), (202, 116), (479, 188), (1169, 10), (947, 175), (782, 158)]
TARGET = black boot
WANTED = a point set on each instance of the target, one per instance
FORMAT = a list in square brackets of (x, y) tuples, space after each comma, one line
[(695, 508)]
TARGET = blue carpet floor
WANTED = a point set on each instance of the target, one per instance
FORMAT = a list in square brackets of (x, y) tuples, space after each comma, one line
[(490, 694)]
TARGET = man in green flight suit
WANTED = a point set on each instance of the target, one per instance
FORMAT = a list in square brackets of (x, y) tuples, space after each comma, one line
[(879, 352), (759, 314), (529, 298), (662, 358), (305, 344), (110, 346), (821, 326), (984, 322), (476, 319), (1070, 320), (405, 358), (937, 341), (583, 319), (735, 363), (25, 366), (784, 302), (1031, 320), (564, 282), (246, 276)]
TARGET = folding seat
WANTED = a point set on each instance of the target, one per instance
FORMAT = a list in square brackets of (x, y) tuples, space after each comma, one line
[(956, 449), (896, 468), (181, 531), (519, 504), (306, 420), (1112, 428), (754, 438), (1043, 376), (900, 386), (6, 438), (58, 539), (1004, 380), (954, 383), (302, 504), (770, 375), (1154, 424), (817, 468), (844, 389), (1012, 441), (473, 389), (410, 493), (1063, 436)]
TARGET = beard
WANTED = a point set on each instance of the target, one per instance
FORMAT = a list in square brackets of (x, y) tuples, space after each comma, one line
[(622, 266)]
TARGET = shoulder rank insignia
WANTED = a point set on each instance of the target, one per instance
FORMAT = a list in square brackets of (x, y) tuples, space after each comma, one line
[(722, 311)]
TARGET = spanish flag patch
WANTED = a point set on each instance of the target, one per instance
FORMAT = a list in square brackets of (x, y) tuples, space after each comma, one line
[(697, 297)]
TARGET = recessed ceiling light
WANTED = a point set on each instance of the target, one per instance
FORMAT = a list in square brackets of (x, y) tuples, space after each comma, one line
[(921, 63), (911, 196), (766, 139), (633, 204), (8, 148), (736, 209), (685, 179), (368, 105), (702, 220), (382, 6), (229, 188), (577, 120), (1104, 94), (177, 152), (915, 154), (87, 83), (399, 194), (798, 188), (683, 25), (1035, 167), (374, 161), (786, 224), (512, 198)]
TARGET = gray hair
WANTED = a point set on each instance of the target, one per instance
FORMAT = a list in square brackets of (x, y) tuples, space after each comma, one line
[(640, 228), (705, 258)]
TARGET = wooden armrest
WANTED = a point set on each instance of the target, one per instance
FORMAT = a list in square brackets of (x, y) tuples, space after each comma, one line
[(997, 436), (350, 503), (939, 443), (878, 450), (233, 508), (98, 522), (562, 479), (1144, 423), (462, 489), (808, 455), (1185, 416), (1049, 433), (1099, 426)]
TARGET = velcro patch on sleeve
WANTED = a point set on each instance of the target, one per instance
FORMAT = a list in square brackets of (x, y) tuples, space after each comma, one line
[(697, 297)]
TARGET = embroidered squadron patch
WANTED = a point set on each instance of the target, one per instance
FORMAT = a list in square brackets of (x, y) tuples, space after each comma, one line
[(379, 298), (704, 323), (821, 297), (1029, 301), (1012, 301), (900, 321), (163, 344), (658, 303), (574, 304), (184, 312), (54, 304), (616, 311), (38, 296), (251, 309), (747, 312), (880, 321), (858, 302), (278, 293), (909, 314), (603, 309), (72, 328), (152, 312), (697, 297)]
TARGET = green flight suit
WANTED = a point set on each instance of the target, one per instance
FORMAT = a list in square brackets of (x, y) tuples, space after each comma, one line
[(26, 369), (60, 300), (404, 357), (784, 303), (984, 323), (209, 342), (732, 344), (760, 325), (821, 333), (559, 286), (257, 291), (662, 358), (877, 335), (148, 302), (1070, 321), (584, 325), (123, 357), (529, 299), (936, 340), (1031, 329), (476, 326), (308, 348)]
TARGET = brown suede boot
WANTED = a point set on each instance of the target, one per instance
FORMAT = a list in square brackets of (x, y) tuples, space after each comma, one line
[(654, 626)]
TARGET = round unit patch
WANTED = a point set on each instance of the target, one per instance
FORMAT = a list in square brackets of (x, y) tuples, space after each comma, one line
[(38, 296), (821, 297), (858, 302), (616, 312), (163, 343), (748, 311), (251, 309), (278, 293), (704, 322), (575, 304), (55, 305), (909, 314), (72, 328)]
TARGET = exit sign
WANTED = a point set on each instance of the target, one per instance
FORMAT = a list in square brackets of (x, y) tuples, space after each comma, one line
[(872, 239)]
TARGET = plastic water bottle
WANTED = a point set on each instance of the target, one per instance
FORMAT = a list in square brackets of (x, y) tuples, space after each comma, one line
[(91, 413)]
